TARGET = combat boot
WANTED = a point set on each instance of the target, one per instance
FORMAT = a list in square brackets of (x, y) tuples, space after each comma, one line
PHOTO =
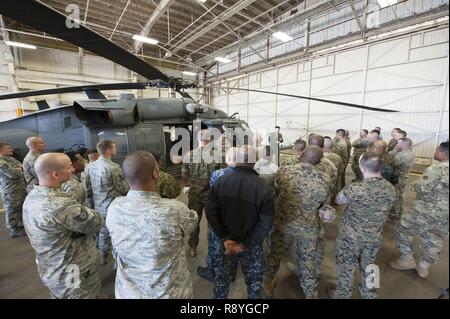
[(423, 269), (16, 232), (268, 287), (206, 273), (292, 267), (192, 252), (403, 263), (103, 259), (332, 291)]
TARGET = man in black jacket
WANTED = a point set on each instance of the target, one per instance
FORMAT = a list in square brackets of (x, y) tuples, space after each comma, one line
[(240, 209)]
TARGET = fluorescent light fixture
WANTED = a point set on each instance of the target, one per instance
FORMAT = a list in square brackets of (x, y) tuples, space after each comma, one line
[(140, 38), (223, 60), (189, 73), (386, 3), (202, 1), (283, 36), (21, 45)]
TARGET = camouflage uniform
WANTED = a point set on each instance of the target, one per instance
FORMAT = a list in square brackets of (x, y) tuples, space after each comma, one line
[(341, 149), (28, 170), (167, 186), (85, 180), (13, 191), (360, 147), (360, 231), (252, 265), (302, 190), (105, 182), (392, 144), (287, 160), (339, 164), (61, 232), (349, 148), (147, 233), (327, 167), (214, 243), (404, 162), (429, 215), (75, 189), (389, 173), (199, 175)]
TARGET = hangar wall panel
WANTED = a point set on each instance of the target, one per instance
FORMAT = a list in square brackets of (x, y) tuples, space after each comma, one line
[(407, 73)]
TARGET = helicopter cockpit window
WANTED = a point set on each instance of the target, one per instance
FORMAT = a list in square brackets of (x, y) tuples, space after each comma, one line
[(119, 136)]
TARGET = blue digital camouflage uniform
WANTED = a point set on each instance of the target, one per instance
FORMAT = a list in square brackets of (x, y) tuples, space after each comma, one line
[(214, 243), (429, 215), (148, 235), (360, 231), (302, 190), (13, 191), (252, 265), (61, 231), (105, 182)]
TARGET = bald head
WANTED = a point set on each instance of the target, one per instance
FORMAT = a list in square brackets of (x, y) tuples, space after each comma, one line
[(53, 169), (246, 156), (140, 170), (316, 139), (379, 147), (299, 146), (35, 144), (312, 155), (370, 162), (327, 144), (231, 156), (404, 144)]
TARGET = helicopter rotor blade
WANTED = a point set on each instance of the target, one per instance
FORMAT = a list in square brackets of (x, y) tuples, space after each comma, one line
[(73, 89), (368, 108), (44, 18)]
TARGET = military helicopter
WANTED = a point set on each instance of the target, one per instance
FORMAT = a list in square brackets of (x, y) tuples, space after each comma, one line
[(133, 123)]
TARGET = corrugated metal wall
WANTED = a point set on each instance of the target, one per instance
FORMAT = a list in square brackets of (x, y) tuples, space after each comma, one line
[(407, 73)]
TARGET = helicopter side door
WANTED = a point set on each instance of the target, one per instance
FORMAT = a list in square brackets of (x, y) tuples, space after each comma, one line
[(148, 137)]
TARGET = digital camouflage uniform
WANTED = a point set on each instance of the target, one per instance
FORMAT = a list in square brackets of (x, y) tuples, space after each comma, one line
[(85, 180), (147, 233), (302, 189), (392, 144), (214, 243), (13, 191), (28, 170), (339, 164), (360, 231), (349, 148), (287, 160), (167, 186), (360, 146), (327, 167), (61, 232), (389, 173), (105, 182), (199, 174), (341, 149), (75, 189), (252, 265), (429, 215), (404, 162)]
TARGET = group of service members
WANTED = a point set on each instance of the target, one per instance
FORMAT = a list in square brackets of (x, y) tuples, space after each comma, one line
[(76, 206)]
